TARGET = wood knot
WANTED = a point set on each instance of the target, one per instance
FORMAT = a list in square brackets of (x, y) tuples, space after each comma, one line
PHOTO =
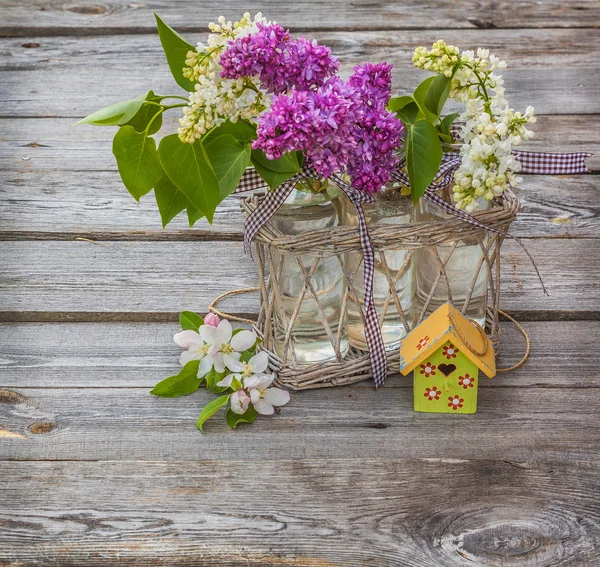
[(10, 397), (30, 45), (378, 426), (87, 10), (42, 427)]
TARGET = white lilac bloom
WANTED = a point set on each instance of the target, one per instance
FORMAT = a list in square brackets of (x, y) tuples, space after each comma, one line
[(243, 370), (264, 398), (491, 128), (215, 99), (211, 344)]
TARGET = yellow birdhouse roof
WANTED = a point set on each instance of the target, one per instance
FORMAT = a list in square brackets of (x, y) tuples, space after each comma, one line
[(443, 324)]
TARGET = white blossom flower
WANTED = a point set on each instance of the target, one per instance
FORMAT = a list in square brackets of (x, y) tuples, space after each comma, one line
[(264, 398), (240, 401), (242, 370), (212, 344)]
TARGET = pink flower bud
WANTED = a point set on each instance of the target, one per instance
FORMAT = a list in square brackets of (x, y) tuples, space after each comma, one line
[(212, 320)]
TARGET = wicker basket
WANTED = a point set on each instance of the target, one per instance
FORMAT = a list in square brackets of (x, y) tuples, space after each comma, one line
[(336, 241)]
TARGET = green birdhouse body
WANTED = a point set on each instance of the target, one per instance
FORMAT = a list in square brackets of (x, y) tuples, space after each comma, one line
[(445, 353)]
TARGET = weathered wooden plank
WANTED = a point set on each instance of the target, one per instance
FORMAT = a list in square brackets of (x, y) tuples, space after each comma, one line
[(54, 144), (28, 17), (55, 205), (553, 424), (305, 513), (92, 280), (552, 69), (121, 355)]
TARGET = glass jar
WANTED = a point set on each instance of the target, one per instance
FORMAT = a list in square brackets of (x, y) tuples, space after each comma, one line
[(309, 207), (465, 267), (393, 209)]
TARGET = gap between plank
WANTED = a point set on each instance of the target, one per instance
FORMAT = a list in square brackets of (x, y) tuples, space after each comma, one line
[(173, 316)]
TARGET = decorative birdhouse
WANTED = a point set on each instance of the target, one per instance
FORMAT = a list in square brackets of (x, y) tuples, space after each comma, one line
[(446, 352)]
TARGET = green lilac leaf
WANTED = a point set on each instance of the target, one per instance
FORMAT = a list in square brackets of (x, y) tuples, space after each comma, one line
[(409, 113), (176, 50), (210, 410), (188, 167), (190, 321), (419, 96), (423, 156), (241, 130), (229, 159), (170, 200), (116, 114), (182, 384), (233, 419), (194, 215), (399, 102), (446, 123), (287, 163), (146, 114), (437, 94), (137, 161)]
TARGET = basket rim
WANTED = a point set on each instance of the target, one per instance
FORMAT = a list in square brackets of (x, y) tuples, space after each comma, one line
[(413, 235)]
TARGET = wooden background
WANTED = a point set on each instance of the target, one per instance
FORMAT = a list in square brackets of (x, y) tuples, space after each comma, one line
[(95, 471)]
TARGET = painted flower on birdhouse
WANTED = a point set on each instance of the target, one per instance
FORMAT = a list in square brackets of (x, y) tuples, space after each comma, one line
[(428, 369), (455, 402), (446, 353), (450, 351), (432, 393), (466, 381)]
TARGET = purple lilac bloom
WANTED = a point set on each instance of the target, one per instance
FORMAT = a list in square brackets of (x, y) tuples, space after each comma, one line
[(374, 81), (281, 62), (341, 126), (379, 132), (319, 122)]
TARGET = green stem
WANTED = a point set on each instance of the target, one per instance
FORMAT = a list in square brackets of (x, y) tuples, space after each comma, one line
[(174, 96)]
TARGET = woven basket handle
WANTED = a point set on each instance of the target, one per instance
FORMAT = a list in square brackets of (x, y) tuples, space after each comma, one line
[(212, 307)]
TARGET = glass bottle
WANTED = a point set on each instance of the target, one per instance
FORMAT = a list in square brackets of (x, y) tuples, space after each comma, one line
[(390, 208), (464, 267), (309, 207)]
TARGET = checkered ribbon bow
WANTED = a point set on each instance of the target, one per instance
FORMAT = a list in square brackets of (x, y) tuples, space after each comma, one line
[(532, 162)]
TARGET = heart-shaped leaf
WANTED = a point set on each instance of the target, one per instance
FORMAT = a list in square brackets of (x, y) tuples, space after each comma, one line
[(437, 94), (423, 156), (420, 94), (241, 130), (229, 159), (176, 50), (188, 167), (399, 102), (170, 200), (186, 382), (148, 114), (116, 114), (210, 410), (137, 161)]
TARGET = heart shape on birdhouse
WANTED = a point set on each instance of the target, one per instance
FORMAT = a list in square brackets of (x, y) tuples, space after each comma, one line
[(447, 369)]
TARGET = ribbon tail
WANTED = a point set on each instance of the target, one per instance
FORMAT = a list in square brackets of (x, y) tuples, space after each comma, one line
[(373, 335)]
